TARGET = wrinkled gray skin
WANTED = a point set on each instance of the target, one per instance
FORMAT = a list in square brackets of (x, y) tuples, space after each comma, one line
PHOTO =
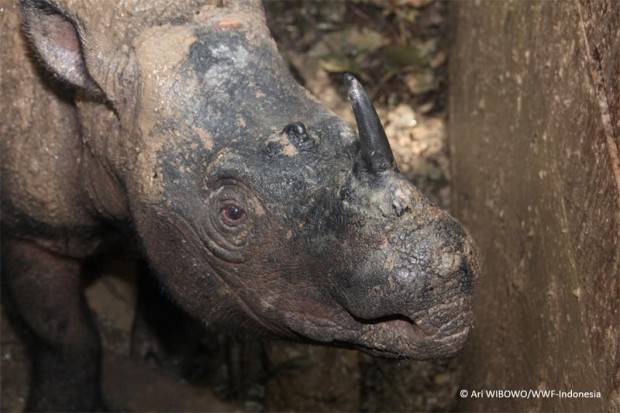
[(178, 124)]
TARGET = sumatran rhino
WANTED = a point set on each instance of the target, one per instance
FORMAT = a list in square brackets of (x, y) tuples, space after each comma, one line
[(178, 124)]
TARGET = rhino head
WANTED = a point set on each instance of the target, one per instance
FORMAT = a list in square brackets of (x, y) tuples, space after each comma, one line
[(254, 204)]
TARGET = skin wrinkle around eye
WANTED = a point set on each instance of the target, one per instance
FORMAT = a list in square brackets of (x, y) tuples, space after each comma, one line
[(199, 249), (196, 237), (225, 232)]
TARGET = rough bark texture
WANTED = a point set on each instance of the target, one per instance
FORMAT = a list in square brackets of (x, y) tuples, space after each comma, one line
[(534, 128)]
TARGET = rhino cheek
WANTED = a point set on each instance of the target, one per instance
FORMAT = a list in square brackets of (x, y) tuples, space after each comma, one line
[(177, 258)]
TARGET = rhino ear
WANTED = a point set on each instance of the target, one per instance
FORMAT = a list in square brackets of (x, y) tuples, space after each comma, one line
[(56, 36)]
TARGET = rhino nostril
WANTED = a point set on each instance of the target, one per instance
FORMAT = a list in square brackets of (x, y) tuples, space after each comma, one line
[(401, 203), (399, 208), (449, 263)]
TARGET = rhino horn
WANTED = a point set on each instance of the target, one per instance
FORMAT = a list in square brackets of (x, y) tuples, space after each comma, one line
[(375, 148)]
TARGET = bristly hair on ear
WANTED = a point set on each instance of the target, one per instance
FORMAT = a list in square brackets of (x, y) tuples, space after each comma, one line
[(57, 40)]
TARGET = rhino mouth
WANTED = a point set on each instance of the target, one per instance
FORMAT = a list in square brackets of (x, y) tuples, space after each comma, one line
[(404, 337), (397, 336)]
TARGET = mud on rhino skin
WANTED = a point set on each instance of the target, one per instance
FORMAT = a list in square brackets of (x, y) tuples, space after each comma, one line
[(178, 124)]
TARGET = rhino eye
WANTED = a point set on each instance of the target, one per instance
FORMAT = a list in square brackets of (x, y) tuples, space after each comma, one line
[(232, 214)]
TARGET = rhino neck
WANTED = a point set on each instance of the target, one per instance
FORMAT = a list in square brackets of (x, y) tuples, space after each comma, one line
[(105, 158)]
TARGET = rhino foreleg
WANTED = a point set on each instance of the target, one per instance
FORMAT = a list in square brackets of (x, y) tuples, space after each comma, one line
[(63, 341), (161, 332)]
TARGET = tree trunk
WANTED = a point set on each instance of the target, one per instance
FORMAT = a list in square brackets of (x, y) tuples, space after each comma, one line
[(534, 124)]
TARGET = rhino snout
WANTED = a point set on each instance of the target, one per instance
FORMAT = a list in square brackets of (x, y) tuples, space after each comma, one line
[(413, 292)]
